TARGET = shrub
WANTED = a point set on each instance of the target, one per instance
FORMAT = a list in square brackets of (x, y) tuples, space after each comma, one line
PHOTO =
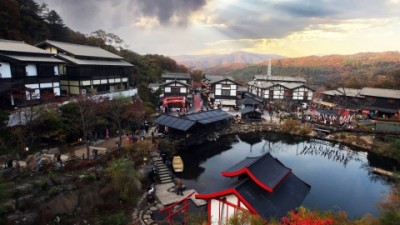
[(116, 219), (290, 125), (303, 216)]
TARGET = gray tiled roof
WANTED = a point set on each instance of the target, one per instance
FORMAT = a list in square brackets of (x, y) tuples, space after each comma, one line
[(94, 62), (80, 50), (380, 92), (182, 76), (279, 78), (20, 47), (36, 59)]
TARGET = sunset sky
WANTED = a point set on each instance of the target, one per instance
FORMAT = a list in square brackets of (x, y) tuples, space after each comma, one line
[(286, 27)]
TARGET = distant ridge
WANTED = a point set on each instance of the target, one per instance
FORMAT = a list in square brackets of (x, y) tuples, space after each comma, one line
[(237, 59)]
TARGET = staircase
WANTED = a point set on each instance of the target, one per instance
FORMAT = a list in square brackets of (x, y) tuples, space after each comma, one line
[(162, 170)]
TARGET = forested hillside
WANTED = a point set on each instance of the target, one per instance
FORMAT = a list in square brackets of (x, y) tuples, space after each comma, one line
[(362, 69), (27, 21)]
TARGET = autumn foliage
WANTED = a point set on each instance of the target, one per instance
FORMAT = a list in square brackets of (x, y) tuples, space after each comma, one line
[(303, 216)]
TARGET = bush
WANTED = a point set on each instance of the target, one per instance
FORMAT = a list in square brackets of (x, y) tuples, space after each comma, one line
[(116, 219), (290, 125)]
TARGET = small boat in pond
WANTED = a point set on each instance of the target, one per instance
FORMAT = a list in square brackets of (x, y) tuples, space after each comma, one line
[(177, 164)]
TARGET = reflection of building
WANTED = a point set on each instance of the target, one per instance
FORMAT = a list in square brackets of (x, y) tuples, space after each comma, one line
[(383, 101), (26, 72), (89, 69), (264, 187)]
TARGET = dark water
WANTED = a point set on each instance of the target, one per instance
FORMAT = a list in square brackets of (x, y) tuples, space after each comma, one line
[(340, 178)]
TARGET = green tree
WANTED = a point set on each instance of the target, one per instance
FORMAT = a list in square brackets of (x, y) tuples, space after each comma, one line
[(124, 179)]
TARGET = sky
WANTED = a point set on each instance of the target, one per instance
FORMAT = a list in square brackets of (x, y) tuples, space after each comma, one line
[(292, 28)]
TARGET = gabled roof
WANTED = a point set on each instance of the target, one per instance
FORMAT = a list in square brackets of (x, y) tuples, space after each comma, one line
[(249, 109), (177, 123), (175, 81), (177, 76), (380, 92), (289, 192), (79, 50), (210, 116), (20, 47), (250, 101), (278, 78), (47, 59), (266, 171), (93, 62), (217, 78), (287, 196), (184, 123)]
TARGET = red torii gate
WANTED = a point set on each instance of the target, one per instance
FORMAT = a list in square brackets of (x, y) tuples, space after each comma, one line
[(172, 212)]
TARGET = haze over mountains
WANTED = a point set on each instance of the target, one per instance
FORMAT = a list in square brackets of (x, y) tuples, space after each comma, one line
[(240, 59)]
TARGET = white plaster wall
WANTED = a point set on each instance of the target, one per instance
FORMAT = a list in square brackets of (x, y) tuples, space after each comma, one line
[(183, 89), (225, 210), (31, 70), (85, 83), (5, 70), (56, 70), (167, 90), (96, 81), (57, 91), (104, 81)]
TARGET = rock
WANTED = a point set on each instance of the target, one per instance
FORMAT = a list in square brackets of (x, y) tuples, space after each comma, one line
[(69, 187), (24, 218), (9, 205), (26, 202), (62, 179), (55, 150), (64, 203)]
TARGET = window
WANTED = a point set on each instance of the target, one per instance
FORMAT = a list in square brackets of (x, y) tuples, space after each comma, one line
[(225, 92), (391, 101), (176, 90)]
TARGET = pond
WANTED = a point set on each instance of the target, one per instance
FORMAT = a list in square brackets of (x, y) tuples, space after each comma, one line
[(340, 177)]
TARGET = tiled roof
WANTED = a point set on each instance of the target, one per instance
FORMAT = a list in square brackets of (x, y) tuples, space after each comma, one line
[(279, 78), (177, 123), (175, 81), (94, 62), (20, 47), (288, 195), (36, 59), (179, 76), (380, 92), (80, 50)]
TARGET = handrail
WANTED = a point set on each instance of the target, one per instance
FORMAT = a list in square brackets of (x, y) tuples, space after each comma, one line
[(176, 203)]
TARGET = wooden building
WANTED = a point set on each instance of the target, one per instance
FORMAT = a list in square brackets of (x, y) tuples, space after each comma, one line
[(273, 88), (250, 114), (380, 101), (264, 187), (194, 128), (176, 90), (26, 73), (88, 69), (222, 90)]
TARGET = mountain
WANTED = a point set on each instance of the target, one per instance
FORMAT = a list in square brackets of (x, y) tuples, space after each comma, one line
[(381, 69), (238, 59)]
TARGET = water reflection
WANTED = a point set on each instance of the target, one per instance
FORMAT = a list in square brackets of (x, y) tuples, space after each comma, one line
[(337, 153), (340, 176)]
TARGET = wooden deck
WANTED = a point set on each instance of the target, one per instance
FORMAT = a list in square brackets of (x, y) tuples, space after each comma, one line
[(166, 195)]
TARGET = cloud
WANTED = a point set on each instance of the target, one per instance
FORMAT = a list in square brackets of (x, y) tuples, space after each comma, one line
[(89, 15)]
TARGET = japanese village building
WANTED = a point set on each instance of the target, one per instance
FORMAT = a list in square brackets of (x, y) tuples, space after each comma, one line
[(377, 100), (280, 88), (176, 90), (194, 128), (221, 90), (26, 73), (264, 186), (89, 69), (273, 88)]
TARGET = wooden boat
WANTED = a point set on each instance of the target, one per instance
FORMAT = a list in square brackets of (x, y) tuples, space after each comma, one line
[(177, 164)]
